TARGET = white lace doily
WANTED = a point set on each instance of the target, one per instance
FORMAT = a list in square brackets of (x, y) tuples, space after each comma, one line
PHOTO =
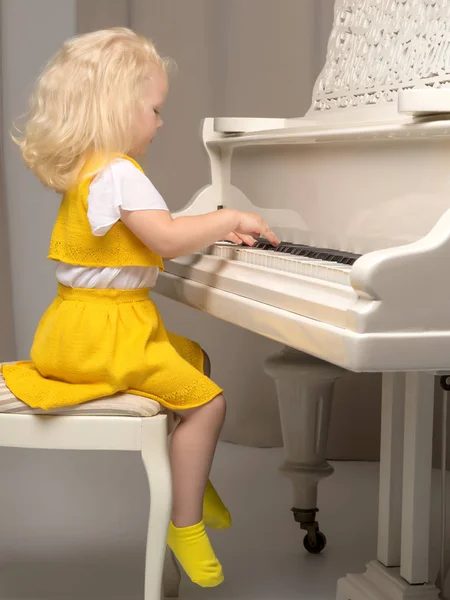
[(377, 47)]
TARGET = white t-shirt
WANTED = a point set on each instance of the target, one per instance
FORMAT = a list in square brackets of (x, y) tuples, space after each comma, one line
[(120, 185)]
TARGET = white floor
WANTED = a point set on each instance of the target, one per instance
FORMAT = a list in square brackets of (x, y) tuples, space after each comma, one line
[(262, 555)]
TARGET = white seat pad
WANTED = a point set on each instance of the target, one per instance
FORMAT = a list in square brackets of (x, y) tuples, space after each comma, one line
[(123, 405)]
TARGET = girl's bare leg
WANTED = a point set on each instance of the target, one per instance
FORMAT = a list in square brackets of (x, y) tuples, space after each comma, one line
[(192, 450), (215, 513)]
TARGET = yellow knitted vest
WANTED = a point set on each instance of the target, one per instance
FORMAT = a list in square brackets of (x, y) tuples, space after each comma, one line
[(72, 240)]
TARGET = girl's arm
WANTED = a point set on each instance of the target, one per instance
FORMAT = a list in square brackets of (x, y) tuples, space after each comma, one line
[(170, 237)]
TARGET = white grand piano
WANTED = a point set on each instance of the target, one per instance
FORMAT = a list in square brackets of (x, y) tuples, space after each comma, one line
[(359, 189)]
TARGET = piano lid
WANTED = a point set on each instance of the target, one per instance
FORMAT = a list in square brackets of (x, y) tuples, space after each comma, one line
[(377, 48)]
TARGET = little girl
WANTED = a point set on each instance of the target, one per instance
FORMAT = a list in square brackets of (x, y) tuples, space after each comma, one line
[(95, 108)]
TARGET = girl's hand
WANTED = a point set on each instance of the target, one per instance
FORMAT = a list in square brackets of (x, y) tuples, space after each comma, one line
[(240, 238), (254, 226)]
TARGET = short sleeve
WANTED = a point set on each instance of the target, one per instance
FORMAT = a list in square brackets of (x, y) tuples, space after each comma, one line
[(120, 185)]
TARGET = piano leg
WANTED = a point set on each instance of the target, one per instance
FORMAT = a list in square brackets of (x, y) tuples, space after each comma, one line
[(402, 568), (305, 389), (391, 469)]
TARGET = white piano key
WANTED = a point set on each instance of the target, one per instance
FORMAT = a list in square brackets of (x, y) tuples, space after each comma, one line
[(289, 263)]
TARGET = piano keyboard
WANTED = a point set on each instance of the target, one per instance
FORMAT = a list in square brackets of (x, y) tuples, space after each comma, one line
[(311, 282), (319, 263)]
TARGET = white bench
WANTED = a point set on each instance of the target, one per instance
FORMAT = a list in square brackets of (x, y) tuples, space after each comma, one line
[(122, 422)]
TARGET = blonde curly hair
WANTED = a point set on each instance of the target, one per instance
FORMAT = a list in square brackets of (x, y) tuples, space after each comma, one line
[(85, 103)]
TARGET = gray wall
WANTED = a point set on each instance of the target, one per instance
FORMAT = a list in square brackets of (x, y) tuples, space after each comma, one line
[(7, 340)]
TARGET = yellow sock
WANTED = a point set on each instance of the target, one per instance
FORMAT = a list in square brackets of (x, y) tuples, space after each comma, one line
[(215, 513), (194, 552)]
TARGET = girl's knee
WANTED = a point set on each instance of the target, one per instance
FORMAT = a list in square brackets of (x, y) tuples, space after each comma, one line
[(220, 403), (216, 408)]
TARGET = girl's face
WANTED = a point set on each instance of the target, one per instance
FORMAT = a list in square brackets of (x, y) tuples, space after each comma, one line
[(149, 118)]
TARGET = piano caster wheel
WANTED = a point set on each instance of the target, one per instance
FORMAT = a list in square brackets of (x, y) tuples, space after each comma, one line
[(314, 540), (315, 543)]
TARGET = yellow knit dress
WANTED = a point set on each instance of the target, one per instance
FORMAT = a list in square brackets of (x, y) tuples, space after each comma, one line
[(93, 343)]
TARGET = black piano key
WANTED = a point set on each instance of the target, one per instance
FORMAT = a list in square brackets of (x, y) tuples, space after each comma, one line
[(328, 254)]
